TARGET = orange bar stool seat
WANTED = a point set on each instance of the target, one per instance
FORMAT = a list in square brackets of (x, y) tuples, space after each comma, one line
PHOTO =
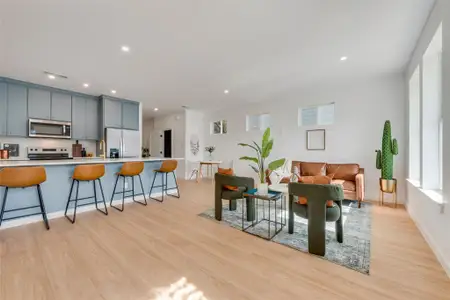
[(167, 166), (129, 170), (23, 177), (86, 173)]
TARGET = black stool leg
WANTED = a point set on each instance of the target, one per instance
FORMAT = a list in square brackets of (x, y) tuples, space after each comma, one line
[(95, 197), (153, 184), (41, 202), (3, 205), (163, 187), (76, 203), (70, 195), (114, 192), (176, 185), (143, 192), (95, 194), (103, 197)]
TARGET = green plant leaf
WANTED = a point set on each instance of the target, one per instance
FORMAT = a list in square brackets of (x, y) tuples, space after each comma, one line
[(265, 138), (254, 159), (254, 169), (257, 146), (247, 145), (267, 149), (277, 164)]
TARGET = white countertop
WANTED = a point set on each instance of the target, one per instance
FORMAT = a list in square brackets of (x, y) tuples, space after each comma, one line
[(76, 161)]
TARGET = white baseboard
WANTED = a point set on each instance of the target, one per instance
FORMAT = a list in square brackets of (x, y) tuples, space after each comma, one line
[(433, 245), (59, 214)]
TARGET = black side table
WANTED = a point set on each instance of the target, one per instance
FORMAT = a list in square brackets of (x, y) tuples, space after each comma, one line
[(270, 198)]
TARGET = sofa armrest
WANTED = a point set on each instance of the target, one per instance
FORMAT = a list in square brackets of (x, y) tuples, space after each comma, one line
[(360, 188)]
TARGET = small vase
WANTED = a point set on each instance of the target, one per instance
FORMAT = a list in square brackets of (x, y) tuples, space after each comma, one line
[(263, 188), (210, 156)]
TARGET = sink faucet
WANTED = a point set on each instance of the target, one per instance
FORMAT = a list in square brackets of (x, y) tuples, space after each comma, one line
[(103, 149)]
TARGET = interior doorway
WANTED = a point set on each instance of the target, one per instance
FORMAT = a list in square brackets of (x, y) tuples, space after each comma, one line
[(168, 143)]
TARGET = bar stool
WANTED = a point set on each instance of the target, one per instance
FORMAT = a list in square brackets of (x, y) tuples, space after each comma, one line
[(86, 173), (129, 169), (23, 177), (167, 166)]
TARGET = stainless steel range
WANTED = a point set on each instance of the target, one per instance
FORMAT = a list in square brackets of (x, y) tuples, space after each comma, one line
[(39, 153)]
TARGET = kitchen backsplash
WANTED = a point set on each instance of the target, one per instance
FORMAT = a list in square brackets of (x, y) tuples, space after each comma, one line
[(36, 142)]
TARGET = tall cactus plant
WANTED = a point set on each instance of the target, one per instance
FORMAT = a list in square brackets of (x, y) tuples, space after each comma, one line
[(385, 156)]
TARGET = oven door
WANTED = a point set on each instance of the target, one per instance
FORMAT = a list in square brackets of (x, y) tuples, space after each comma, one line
[(49, 129)]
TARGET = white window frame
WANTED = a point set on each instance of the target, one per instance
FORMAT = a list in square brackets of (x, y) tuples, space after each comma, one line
[(261, 118), (221, 127)]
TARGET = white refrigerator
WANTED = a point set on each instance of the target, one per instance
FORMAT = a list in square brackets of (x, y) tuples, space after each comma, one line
[(126, 141)]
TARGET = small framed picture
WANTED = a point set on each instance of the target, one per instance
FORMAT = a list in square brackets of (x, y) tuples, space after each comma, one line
[(315, 139)]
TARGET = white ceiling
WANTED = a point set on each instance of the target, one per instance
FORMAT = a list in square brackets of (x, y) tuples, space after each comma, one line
[(187, 52)]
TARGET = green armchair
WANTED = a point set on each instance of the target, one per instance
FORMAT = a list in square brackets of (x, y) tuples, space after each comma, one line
[(317, 212), (243, 183)]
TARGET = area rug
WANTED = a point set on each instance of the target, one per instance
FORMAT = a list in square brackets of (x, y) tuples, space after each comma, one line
[(354, 253)]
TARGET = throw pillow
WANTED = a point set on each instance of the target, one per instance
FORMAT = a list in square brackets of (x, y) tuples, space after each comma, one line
[(230, 173)]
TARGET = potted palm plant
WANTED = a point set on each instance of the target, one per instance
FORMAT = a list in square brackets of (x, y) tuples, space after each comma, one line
[(262, 153)]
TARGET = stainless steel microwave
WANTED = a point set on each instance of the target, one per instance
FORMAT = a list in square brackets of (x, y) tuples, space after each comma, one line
[(49, 129)]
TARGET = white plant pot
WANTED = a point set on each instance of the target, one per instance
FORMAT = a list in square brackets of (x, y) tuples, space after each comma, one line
[(263, 188)]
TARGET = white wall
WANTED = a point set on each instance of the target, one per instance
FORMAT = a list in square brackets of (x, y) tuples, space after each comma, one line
[(176, 123), (37, 142), (195, 130), (432, 218), (361, 107), (147, 129)]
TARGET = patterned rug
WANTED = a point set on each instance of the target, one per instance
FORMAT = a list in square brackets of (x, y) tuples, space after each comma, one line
[(354, 253)]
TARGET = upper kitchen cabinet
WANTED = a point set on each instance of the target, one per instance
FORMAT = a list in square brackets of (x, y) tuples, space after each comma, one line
[(3, 106), (118, 113), (61, 107), (39, 102), (17, 120), (85, 118), (92, 119), (130, 115), (112, 113), (78, 118)]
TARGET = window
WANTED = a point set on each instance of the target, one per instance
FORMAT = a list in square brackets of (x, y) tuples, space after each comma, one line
[(219, 127), (431, 110), (414, 126), (258, 122), (425, 118), (316, 115)]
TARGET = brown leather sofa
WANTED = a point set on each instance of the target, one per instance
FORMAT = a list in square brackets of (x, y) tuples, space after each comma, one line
[(349, 176)]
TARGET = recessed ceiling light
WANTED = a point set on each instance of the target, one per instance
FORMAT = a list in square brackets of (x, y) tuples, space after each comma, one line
[(226, 91), (155, 109), (113, 91), (125, 49), (344, 58), (86, 85), (51, 76)]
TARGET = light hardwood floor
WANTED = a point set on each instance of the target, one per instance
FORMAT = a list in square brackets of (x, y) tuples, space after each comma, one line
[(165, 251)]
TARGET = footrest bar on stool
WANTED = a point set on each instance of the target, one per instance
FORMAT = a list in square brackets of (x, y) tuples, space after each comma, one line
[(21, 208), (22, 216)]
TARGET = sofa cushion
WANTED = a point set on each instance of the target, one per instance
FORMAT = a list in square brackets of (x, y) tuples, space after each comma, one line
[(342, 171), (315, 179), (312, 168), (346, 184)]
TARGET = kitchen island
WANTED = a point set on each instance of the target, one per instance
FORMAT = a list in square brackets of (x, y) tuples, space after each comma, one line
[(59, 179)]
